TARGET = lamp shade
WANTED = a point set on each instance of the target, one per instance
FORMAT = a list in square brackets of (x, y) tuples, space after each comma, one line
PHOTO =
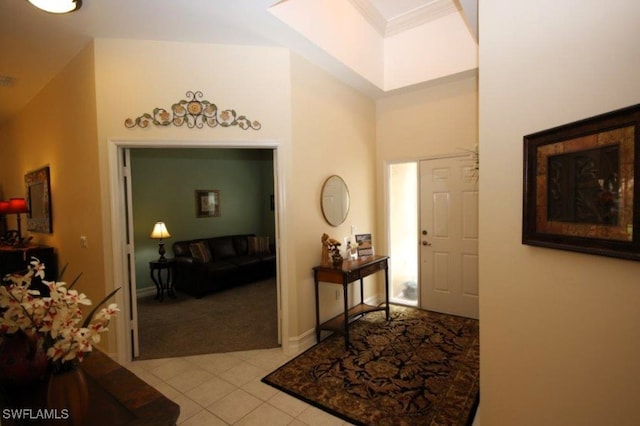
[(57, 6), (18, 205), (4, 207), (159, 231)]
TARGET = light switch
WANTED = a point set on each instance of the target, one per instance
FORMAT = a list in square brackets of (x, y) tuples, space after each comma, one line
[(83, 241)]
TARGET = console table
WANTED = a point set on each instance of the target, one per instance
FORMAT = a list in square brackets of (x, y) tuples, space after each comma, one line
[(116, 397), (16, 259), (345, 274)]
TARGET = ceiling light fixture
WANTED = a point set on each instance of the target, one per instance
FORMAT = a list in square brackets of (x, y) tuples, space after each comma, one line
[(57, 6)]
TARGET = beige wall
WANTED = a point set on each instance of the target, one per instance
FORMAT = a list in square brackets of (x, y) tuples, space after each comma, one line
[(439, 119), (321, 127), (77, 122), (333, 133), (134, 77), (58, 129), (559, 330)]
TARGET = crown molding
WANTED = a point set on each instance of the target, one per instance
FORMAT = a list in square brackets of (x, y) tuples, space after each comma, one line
[(371, 14), (421, 15)]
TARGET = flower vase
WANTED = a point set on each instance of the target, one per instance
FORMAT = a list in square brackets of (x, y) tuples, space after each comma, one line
[(67, 393), (23, 360)]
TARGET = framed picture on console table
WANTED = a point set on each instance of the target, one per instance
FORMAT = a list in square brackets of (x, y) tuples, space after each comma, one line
[(579, 191), (365, 245)]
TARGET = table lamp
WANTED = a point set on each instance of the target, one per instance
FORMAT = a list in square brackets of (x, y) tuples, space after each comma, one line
[(4, 210), (159, 232), (18, 206)]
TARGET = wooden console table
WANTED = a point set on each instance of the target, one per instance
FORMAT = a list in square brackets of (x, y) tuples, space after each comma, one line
[(349, 272), (16, 259), (116, 397)]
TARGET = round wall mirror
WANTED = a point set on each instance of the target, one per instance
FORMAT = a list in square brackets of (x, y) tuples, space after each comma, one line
[(335, 200)]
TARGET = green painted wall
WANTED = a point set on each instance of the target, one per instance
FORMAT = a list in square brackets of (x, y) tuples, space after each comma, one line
[(163, 189)]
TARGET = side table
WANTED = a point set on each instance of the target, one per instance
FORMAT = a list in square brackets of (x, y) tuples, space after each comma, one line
[(156, 267), (348, 272)]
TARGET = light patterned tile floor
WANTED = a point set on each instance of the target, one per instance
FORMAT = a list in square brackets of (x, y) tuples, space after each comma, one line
[(225, 389)]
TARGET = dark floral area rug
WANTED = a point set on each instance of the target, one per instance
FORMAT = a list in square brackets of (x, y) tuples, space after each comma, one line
[(419, 368)]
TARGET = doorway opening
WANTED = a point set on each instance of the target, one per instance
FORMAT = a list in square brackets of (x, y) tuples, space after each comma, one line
[(243, 182), (403, 229), (122, 238)]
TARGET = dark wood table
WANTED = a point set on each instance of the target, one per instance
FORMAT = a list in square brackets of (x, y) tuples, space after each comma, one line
[(16, 259), (116, 397), (345, 274), (156, 267)]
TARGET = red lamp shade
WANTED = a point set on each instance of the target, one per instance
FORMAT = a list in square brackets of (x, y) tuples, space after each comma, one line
[(4, 207), (18, 205)]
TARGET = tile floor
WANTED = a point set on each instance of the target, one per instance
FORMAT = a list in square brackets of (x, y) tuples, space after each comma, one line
[(225, 389)]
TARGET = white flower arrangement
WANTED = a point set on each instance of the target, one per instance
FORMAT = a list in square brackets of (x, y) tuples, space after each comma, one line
[(57, 318)]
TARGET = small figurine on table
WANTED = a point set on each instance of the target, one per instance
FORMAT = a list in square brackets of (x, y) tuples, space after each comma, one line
[(330, 251)]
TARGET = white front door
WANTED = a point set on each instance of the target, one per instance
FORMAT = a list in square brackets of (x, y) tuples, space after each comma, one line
[(449, 236)]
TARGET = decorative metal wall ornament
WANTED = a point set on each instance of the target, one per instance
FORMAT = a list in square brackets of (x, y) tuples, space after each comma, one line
[(194, 113)]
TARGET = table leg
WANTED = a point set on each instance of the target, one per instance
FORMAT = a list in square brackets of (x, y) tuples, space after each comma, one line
[(158, 282), (386, 291), (315, 278), (346, 316), (170, 290)]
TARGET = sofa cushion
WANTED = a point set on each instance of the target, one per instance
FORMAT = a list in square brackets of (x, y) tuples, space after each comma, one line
[(200, 251), (245, 260), (258, 245), (221, 272), (220, 267), (222, 247), (241, 244), (181, 248)]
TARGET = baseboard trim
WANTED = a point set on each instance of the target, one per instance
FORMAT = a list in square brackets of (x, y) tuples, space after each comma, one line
[(307, 339), (302, 342), (147, 291)]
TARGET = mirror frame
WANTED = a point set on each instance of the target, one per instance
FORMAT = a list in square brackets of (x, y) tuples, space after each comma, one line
[(38, 187), (322, 196)]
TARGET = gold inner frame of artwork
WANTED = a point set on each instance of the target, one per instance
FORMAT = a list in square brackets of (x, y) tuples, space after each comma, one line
[(624, 137)]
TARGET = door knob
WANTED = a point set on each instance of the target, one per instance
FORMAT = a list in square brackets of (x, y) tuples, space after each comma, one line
[(426, 243), (424, 232)]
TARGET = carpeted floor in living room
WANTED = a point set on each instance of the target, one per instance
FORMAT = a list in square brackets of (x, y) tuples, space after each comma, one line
[(236, 319)]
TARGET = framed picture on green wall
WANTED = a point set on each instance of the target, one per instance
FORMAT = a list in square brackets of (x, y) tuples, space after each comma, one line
[(207, 203)]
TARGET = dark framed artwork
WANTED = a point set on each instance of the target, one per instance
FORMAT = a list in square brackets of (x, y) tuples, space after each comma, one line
[(207, 203), (579, 191), (38, 188)]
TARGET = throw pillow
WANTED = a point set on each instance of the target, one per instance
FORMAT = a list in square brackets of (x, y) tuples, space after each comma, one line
[(200, 251), (258, 245)]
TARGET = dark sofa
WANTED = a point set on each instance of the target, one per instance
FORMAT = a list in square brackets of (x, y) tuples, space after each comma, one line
[(206, 265)]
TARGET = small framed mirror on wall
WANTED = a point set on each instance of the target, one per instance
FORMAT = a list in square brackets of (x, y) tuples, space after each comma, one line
[(39, 201), (335, 200)]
